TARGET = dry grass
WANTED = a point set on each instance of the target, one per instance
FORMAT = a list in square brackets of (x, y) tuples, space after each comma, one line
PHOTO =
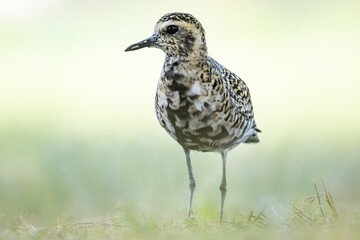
[(317, 213)]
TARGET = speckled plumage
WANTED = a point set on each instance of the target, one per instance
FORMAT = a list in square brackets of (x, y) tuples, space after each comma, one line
[(200, 103), (204, 106)]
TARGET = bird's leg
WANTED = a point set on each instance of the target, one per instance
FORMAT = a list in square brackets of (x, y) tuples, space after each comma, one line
[(192, 182), (223, 184)]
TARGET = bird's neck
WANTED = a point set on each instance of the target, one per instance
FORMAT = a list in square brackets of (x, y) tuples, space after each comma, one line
[(182, 70), (191, 59)]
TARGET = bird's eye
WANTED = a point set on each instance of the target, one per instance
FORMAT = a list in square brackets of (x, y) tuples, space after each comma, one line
[(172, 29)]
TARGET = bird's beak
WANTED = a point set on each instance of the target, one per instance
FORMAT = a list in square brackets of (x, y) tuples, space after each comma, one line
[(149, 42)]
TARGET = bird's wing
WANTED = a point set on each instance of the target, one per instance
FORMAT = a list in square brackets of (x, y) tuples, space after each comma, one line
[(236, 87), (240, 93)]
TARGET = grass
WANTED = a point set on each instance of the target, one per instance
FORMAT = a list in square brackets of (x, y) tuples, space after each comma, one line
[(51, 185), (315, 217)]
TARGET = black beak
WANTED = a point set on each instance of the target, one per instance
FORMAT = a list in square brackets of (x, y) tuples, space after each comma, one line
[(149, 42)]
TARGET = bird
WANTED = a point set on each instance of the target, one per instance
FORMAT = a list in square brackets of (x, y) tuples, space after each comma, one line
[(200, 103)]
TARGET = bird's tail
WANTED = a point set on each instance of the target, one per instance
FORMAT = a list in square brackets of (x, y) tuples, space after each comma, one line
[(253, 137)]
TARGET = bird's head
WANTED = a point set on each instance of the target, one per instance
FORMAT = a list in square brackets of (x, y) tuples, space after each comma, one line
[(176, 34)]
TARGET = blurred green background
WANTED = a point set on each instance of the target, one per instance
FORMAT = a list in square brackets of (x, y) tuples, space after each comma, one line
[(78, 132)]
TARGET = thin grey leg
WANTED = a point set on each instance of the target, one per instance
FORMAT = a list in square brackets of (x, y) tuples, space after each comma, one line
[(192, 182), (223, 184)]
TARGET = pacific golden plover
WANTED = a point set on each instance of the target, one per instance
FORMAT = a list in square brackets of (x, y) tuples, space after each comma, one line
[(200, 103)]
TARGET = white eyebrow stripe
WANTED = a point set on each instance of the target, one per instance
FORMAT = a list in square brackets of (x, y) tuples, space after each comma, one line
[(182, 24)]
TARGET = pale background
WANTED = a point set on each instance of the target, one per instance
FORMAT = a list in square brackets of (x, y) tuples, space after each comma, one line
[(78, 131)]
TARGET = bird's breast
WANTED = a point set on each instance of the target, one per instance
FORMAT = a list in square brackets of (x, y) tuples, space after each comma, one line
[(190, 112)]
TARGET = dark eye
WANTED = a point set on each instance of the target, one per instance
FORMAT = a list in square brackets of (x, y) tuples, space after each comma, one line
[(172, 29)]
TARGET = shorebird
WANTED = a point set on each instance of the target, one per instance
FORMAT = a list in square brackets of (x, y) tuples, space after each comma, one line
[(200, 103)]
